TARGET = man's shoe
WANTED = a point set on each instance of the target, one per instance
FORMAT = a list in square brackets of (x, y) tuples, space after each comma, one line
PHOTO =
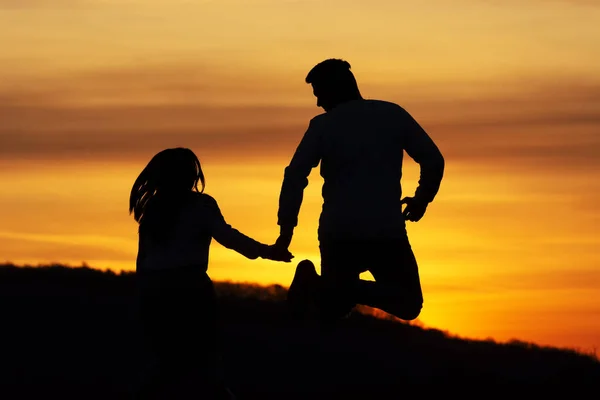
[(303, 292)]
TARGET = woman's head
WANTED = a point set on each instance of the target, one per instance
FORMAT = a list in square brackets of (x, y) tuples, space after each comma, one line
[(171, 172)]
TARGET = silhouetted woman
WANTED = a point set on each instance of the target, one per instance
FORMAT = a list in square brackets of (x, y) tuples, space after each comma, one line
[(177, 299)]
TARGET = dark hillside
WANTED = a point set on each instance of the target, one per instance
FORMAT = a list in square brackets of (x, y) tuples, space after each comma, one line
[(73, 333)]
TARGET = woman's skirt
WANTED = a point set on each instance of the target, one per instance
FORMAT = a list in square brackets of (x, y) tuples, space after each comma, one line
[(179, 318)]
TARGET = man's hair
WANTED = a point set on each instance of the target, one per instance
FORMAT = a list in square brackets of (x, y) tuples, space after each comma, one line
[(333, 74)]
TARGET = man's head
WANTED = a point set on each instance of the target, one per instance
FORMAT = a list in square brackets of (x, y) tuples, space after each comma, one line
[(333, 83)]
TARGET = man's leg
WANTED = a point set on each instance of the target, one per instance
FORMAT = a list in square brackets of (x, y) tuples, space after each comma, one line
[(330, 296), (397, 287), (341, 265), (303, 292), (396, 290)]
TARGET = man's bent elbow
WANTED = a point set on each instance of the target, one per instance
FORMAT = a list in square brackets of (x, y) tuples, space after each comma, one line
[(433, 161), (438, 162), (436, 166)]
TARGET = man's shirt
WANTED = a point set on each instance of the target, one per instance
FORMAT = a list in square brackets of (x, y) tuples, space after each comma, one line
[(360, 146)]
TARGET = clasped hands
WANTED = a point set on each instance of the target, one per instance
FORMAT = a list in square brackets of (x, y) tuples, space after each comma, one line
[(279, 251)]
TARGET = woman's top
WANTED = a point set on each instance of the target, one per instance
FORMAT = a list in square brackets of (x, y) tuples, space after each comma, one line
[(196, 223)]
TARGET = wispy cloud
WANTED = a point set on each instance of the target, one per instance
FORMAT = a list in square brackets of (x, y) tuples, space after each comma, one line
[(129, 112)]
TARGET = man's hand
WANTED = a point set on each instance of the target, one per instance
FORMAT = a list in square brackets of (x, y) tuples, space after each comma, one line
[(414, 210), (276, 253)]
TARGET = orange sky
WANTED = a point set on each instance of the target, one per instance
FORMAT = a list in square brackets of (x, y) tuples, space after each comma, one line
[(90, 90)]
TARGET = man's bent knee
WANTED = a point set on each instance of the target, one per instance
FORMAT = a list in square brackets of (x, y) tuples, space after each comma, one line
[(409, 312), (413, 313)]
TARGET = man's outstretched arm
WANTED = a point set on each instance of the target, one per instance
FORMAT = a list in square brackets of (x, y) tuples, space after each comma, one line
[(306, 157), (421, 148)]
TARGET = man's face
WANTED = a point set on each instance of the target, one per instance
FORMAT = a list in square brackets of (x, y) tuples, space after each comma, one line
[(322, 99)]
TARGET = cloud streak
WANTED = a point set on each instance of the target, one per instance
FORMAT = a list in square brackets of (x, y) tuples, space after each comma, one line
[(130, 113)]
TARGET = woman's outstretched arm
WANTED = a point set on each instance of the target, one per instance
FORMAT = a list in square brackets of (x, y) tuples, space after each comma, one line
[(233, 239)]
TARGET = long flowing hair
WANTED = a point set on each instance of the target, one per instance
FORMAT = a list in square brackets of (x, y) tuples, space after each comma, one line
[(162, 188)]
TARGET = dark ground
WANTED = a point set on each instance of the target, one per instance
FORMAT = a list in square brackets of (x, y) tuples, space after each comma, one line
[(73, 333)]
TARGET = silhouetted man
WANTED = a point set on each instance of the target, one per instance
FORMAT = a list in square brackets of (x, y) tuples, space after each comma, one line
[(359, 143)]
